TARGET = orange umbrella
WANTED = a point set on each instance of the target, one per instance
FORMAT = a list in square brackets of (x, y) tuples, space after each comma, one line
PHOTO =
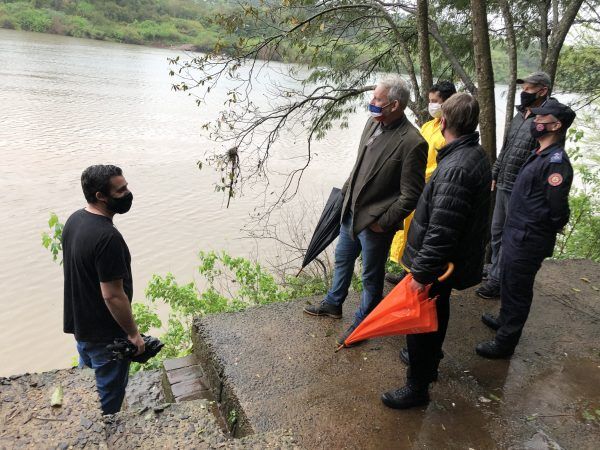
[(403, 311)]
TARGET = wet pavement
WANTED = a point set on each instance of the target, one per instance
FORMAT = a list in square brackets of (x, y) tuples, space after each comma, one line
[(276, 368)]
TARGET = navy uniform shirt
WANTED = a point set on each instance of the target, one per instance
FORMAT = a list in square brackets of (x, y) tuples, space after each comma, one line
[(540, 198)]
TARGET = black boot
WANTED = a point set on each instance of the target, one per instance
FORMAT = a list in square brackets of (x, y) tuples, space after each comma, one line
[(491, 321), (409, 396), (404, 356), (494, 350), (324, 309), (488, 290)]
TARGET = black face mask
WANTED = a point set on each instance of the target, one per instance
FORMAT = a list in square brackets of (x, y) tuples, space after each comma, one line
[(528, 98), (120, 205), (539, 129)]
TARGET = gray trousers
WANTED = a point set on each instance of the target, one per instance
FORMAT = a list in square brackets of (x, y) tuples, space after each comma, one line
[(498, 220)]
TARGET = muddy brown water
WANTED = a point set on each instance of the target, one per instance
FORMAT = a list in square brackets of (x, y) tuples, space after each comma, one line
[(67, 103)]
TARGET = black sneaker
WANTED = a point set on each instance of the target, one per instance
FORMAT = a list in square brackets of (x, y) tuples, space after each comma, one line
[(491, 321), (406, 397), (343, 336), (494, 350), (488, 290), (395, 278), (324, 309)]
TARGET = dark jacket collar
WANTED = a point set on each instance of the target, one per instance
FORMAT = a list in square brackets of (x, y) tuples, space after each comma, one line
[(553, 147), (465, 140), (395, 124)]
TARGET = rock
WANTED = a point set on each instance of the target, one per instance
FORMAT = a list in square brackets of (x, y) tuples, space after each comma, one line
[(86, 423), (161, 408)]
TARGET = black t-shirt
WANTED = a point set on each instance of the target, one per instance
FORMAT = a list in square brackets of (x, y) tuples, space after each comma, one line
[(93, 251)]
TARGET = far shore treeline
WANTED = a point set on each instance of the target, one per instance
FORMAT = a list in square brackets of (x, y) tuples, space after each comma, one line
[(189, 24)]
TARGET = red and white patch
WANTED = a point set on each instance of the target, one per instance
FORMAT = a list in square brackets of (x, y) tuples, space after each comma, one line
[(555, 179), (540, 126)]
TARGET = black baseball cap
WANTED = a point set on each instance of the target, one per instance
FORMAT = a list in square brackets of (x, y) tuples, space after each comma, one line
[(563, 113)]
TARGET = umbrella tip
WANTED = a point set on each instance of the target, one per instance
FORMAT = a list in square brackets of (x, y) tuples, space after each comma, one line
[(341, 346)]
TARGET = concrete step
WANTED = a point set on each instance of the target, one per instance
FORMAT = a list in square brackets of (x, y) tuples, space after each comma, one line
[(183, 380)]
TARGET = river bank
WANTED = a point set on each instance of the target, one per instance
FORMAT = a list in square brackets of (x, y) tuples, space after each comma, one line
[(178, 25)]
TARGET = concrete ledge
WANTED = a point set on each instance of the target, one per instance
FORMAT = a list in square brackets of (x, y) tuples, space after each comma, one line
[(276, 368)]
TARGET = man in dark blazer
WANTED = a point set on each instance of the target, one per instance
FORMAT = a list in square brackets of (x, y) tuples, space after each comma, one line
[(381, 191)]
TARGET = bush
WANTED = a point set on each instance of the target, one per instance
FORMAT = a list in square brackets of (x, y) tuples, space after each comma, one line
[(33, 20), (581, 237), (153, 31)]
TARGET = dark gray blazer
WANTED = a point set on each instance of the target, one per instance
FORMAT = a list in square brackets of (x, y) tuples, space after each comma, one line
[(395, 182)]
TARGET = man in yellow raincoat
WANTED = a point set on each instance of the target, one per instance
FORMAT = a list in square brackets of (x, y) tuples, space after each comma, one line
[(438, 94)]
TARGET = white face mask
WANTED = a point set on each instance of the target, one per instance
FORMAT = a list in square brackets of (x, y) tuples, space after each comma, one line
[(435, 110)]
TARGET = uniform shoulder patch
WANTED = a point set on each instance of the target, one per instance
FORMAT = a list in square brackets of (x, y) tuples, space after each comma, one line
[(556, 157), (555, 179)]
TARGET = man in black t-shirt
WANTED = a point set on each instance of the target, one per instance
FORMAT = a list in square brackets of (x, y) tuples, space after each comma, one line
[(98, 283)]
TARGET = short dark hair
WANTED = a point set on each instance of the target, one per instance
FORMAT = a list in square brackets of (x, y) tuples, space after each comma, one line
[(445, 88), (97, 179), (461, 113)]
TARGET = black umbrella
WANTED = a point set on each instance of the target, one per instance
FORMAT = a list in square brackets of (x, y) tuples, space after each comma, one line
[(123, 348), (327, 229)]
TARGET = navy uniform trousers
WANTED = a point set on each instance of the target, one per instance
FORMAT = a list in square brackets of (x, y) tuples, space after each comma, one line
[(537, 210), (522, 256)]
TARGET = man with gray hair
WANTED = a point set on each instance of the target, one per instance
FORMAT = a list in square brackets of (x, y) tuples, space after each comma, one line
[(381, 191)]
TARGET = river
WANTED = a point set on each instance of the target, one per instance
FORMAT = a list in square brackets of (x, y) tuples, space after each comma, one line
[(67, 103)]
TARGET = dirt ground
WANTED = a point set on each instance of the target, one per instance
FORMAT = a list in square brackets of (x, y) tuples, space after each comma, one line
[(28, 421), (277, 369)]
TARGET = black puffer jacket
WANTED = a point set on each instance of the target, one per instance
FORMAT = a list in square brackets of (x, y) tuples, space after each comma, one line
[(451, 222), (516, 149)]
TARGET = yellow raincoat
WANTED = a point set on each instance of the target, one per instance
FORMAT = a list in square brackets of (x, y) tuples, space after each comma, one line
[(432, 134)]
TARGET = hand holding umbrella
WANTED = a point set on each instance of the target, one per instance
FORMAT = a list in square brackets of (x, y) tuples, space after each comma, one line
[(407, 309)]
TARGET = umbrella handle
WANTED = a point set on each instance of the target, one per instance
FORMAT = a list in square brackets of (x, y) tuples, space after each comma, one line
[(447, 273)]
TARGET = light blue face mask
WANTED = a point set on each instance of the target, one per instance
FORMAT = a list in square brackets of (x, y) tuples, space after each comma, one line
[(377, 111)]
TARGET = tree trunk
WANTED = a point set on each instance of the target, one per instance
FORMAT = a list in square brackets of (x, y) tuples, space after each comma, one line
[(543, 10), (557, 39), (485, 77), (511, 43), (424, 58)]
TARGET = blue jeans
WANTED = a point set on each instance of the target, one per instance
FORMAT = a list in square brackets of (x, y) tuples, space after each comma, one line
[(111, 376), (375, 248), (498, 220)]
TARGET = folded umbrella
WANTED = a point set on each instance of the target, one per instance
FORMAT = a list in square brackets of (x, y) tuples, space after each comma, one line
[(327, 229), (403, 311), (123, 348)]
